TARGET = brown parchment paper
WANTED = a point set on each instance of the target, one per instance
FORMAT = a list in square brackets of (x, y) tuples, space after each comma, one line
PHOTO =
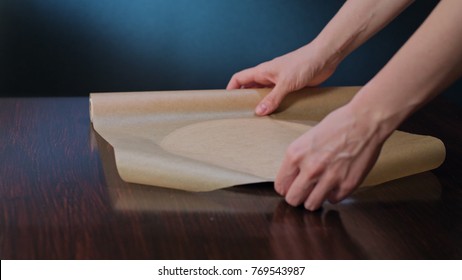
[(211, 139)]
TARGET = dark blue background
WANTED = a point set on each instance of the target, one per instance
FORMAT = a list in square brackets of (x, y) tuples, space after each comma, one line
[(70, 47)]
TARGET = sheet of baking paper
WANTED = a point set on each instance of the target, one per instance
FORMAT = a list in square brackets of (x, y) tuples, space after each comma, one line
[(211, 139), (242, 199), (134, 197)]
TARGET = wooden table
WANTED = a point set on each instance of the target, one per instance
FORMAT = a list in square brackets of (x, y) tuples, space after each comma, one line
[(61, 198)]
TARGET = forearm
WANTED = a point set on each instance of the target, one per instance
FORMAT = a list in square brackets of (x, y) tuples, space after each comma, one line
[(423, 67), (355, 23)]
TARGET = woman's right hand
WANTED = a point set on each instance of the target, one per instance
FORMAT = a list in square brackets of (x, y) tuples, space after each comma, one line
[(304, 67)]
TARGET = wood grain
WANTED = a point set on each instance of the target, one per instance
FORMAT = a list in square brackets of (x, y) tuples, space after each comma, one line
[(61, 198)]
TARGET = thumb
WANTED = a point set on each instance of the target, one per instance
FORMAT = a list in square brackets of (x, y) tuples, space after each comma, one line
[(271, 101)]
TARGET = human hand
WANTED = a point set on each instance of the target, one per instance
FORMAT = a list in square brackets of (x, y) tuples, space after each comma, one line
[(331, 160), (307, 66)]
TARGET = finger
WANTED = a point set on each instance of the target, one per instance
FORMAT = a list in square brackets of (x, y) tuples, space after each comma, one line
[(253, 85), (333, 196), (286, 175), (284, 179), (344, 190), (271, 101), (322, 189), (300, 189), (242, 78)]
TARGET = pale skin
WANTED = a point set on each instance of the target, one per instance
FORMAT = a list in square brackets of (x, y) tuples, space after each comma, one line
[(332, 159)]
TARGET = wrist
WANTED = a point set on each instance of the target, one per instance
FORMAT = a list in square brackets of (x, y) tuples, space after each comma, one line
[(327, 55), (377, 113)]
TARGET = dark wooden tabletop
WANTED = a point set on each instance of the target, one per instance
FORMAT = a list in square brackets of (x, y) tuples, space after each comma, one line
[(61, 198)]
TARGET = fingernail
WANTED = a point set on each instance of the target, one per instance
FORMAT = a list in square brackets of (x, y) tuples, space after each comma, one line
[(280, 191), (261, 109)]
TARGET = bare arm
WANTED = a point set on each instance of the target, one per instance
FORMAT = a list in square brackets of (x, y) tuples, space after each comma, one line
[(422, 68), (332, 159), (313, 63), (355, 23)]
